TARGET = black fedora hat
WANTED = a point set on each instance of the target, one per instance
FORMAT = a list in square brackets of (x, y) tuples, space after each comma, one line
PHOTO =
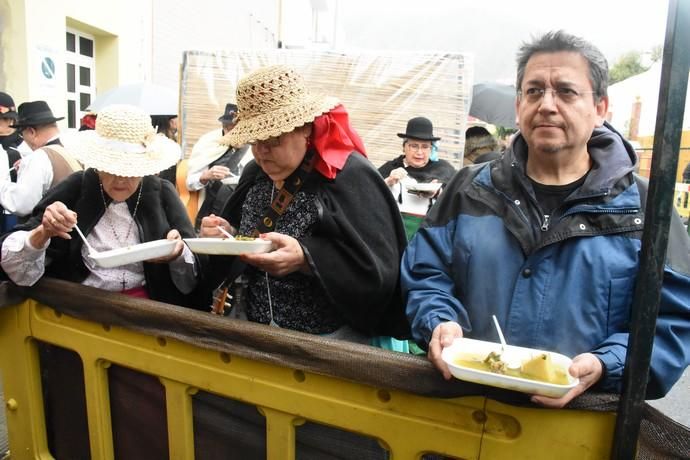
[(419, 128), (7, 108), (229, 114), (35, 113)]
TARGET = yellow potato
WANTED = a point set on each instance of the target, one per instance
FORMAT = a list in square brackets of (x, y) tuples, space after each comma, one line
[(542, 368)]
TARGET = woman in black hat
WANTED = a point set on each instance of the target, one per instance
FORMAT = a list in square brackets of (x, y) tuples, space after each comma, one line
[(416, 166), (10, 138)]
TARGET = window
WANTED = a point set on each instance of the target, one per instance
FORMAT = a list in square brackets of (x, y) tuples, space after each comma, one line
[(84, 76), (71, 42), (81, 82), (71, 81), (71, 113), (84, 101), (85, 46)]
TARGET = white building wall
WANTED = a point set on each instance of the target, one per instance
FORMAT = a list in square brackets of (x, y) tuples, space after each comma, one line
[(207, 25), (33, 31), (136, 40)]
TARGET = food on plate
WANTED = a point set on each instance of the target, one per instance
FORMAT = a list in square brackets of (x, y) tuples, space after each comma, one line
[(493, 360), (227, 246), (540, 367), (423, 187), (244, 238)]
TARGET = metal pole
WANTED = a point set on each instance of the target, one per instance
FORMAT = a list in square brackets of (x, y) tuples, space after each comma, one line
[(669, 125)]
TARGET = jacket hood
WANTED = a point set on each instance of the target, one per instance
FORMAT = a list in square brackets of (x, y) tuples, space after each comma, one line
[(612, 158), (608, 147)]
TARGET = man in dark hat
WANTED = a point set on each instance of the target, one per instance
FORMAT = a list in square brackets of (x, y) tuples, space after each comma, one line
[(47, 165), (417, 165), (10, 140), (215, 166), (228, 117)]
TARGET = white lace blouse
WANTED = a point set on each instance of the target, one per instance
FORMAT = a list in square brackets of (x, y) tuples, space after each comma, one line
[(25, 264)]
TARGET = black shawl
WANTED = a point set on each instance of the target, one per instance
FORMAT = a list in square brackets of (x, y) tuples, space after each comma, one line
[(160, 210), (440, 170), (355, 247)]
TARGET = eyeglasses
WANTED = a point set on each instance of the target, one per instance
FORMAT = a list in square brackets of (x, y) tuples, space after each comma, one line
[(269, 143), (564, 94), (417, 147)]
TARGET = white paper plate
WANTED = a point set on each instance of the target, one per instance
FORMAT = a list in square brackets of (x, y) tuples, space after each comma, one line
[(226, 246), (424, 187), (137, 253), (467, 348)]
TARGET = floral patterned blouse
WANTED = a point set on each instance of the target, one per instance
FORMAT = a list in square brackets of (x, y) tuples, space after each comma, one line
[(295, 301)]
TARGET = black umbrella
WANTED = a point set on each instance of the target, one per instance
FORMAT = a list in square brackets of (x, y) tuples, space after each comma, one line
[(494, 103)]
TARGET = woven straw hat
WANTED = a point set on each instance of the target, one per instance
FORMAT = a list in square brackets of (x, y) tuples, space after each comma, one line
[(274, 100), (125, 144)]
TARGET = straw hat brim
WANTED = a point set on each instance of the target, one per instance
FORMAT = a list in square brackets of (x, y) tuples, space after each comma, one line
[(283, 120), (94, 151)]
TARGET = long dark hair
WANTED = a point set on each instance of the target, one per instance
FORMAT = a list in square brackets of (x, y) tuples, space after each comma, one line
[(163, 125)]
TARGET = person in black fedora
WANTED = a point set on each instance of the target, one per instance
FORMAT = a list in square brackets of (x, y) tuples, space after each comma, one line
[(10, 141), (228, 116), (10, 138), (213, 163), (47, 165), (417, 165), (7, 107), (36, 113)]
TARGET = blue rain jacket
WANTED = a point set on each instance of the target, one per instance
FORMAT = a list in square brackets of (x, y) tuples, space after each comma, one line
[(562, 283)]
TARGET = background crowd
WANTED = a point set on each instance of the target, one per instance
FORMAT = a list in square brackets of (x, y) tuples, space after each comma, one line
[(413, 249)]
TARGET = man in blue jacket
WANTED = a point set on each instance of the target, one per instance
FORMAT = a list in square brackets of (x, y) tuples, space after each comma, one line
[(548, 238)]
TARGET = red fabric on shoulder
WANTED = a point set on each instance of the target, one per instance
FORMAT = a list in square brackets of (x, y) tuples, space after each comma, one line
[(334, 140)]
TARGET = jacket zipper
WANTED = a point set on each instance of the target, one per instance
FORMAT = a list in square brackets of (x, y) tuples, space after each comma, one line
[(545, 223)]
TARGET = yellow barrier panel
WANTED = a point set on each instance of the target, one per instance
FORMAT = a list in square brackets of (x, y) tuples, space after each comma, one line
[(24, 405), (407, 425)]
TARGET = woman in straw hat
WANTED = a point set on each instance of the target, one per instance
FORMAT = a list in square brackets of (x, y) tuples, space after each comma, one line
[(118, 202), (312, 192)]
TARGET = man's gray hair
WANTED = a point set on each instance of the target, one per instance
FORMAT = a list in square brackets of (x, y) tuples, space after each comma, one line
[(556, 41)]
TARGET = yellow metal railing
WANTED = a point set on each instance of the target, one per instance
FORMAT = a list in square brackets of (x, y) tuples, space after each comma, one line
[(406, 424)]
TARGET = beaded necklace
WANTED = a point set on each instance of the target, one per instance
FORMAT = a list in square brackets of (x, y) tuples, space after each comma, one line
[(107, 219), (134, 214)]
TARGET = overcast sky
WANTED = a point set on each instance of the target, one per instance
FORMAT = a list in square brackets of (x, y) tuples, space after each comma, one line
[(493, 29)]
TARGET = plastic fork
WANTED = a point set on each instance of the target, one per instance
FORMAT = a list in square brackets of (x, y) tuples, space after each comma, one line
[(507, 357), (92, 251), (225, 232)]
